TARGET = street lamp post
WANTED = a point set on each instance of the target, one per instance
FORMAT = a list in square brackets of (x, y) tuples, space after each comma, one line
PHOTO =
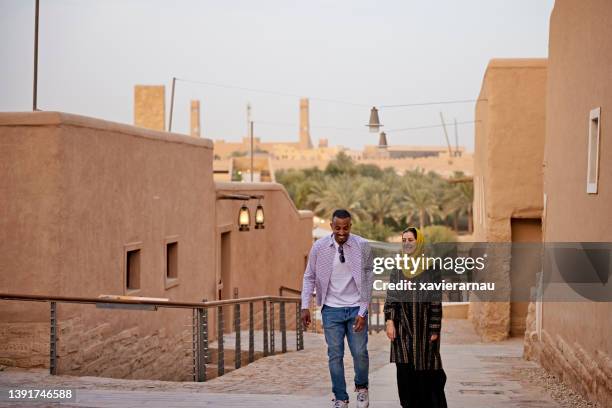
[(171, 104), (35, 84), (450, 153)]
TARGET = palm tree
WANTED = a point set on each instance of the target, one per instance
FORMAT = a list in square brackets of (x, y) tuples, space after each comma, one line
[(419, 196), (338, 192), (380, 199), (458, 200), (466, 192)]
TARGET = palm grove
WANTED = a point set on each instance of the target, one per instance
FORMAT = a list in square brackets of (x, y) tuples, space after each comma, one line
[(382, 202)]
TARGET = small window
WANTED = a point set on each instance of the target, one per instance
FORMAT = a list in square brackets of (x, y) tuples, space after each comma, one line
[(172, 260), (132, 270), (593, 151)]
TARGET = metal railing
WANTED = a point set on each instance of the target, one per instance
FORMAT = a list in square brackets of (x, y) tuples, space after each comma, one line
[(199, 321), (315, 327)]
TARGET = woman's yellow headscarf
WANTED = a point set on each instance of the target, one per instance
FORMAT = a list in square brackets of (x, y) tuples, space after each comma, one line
[(419, 250)]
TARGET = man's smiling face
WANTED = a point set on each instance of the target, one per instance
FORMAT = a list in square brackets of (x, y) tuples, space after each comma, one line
[(341, 228)]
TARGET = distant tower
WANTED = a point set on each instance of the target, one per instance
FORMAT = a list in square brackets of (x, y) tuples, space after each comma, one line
[(195, 118), (149, 107), (323, 142), (305, 142)]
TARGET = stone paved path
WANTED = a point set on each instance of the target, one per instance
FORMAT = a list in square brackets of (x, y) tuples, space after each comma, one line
[(479, 376)]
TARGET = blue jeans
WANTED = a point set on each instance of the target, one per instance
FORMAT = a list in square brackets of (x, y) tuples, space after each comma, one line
[(337, 323)]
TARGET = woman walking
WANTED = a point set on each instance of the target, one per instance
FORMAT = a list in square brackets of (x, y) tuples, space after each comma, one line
[(413, 322)]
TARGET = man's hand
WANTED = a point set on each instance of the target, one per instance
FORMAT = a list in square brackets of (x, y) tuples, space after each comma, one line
[(434, 337), (360, 323), (305, 318), (390, 330)]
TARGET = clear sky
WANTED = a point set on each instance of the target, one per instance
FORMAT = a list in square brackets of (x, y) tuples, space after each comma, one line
[(93, 52)]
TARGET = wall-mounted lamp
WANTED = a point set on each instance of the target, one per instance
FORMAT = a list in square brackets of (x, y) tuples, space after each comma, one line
[(244, 218), (244, 215), (259, 217)]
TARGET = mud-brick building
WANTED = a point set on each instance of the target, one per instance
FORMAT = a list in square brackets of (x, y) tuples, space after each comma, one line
[(90, 207), (574, 339), (508, 203)]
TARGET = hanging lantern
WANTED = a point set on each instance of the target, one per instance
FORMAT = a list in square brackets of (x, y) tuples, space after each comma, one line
[(382, 140), (244, 218), (374, 123), (259, 217)]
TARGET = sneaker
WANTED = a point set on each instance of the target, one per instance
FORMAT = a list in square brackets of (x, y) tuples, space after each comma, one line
[(363, 401), (340, 403)]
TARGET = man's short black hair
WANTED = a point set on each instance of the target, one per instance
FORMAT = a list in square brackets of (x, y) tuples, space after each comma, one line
[(341, 214)]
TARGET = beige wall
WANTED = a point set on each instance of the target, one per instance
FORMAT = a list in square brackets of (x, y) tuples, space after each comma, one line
[(262, 168), (224, 149), (278, 251), (508, 155), (509, 145), (576, 338), (80, 193), (440, 164)]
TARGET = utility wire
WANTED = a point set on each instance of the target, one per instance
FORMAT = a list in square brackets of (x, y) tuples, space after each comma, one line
[(432, 103), (269, 92), (429, 126), (338, 101), (359, 129)]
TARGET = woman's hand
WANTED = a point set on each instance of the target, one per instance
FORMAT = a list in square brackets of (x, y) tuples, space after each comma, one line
[(390, 330), (434, 337)]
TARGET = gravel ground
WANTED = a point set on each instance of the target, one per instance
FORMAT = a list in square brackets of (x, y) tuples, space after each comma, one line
[(560, 392)]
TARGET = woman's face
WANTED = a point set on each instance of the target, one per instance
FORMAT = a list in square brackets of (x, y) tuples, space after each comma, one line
[(409, 242)]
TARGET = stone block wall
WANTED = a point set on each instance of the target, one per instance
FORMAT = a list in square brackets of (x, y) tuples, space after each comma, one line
[(589, 374), (24, 344), (96, 349)]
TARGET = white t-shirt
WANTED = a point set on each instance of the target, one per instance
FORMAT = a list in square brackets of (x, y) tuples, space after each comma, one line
[(342, 290)]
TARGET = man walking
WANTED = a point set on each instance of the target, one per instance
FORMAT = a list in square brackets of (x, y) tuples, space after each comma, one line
[(340, 268)]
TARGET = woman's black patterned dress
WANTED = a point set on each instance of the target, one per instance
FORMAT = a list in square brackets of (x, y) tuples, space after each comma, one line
[(417, 315)]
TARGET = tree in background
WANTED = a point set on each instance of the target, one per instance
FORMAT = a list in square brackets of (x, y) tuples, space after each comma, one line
[(420, 193), (342, 191), (457, 201), (382, 202)]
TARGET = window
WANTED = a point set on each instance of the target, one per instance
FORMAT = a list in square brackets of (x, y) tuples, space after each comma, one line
[(132, 269), (172, 260), (593, 151), (171, 255)]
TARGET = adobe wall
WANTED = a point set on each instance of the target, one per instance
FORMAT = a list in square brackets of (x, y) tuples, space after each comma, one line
[(575, 341), (508, 156), (81, 192)]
